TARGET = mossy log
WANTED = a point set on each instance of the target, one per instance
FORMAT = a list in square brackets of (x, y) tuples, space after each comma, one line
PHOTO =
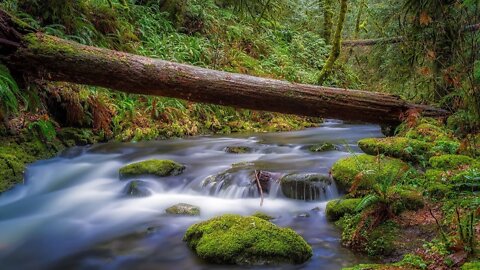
[(46, 57)]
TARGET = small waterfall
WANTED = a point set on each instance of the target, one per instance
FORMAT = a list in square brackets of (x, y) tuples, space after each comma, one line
[(236, 184)]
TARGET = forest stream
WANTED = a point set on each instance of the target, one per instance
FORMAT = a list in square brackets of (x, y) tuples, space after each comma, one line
[(73, 212)]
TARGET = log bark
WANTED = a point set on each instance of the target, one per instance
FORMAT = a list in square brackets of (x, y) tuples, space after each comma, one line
[(51, 58)]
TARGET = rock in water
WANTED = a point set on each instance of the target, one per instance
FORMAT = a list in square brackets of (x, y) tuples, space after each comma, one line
[(233, 239), (306, 186), (155, 167), (238, 149), (137, 188), (183, 209), (322, 147)]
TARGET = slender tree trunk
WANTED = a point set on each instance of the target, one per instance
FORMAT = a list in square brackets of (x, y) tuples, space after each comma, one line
[(336, 47), (327, 20)]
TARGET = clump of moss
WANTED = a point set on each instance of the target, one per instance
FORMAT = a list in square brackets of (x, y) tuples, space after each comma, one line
[(17, 152), (322, 147), (448, 162), (471, 266), (428, 132), (398, 147), (75, 136), (238, 149), (233, 239), (408, 199), (156, 167), (336, 209), (346, 171)]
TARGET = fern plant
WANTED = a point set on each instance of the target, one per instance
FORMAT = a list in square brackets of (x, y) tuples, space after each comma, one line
[(44, 128), (9, 93)]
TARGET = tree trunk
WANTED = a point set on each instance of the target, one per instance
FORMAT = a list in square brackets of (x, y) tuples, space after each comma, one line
[(337, 45), (327, 20), (51, 58)]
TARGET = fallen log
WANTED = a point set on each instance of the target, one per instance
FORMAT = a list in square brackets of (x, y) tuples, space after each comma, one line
[(50, 58)]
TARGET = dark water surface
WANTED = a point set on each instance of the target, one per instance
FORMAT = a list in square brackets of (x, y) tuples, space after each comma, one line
[(73, 214)]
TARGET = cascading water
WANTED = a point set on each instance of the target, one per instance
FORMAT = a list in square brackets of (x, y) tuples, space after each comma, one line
[(74, 212)]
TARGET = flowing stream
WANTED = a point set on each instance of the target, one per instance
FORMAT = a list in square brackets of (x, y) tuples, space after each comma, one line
[(73, 212)]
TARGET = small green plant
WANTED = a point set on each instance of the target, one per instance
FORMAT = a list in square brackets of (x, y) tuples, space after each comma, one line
[(44, 128), (9, 93)]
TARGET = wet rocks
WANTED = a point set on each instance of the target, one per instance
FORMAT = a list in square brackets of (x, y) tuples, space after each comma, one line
[(233, 239), (305, 186), (137, 188), (238, 149), (322, 147), (156, 167), (183, 209)]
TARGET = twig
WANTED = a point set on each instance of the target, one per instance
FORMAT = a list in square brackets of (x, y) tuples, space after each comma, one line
[(438, 225), (259, 188)]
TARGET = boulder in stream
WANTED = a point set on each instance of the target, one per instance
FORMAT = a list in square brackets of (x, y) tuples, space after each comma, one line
[(161, 168), (183, 209), (305, 186), (238, 149), (233, 239), (137, 188)]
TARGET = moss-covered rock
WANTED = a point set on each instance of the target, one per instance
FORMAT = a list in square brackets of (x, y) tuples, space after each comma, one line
[(368, 168), (238, 149), (305, 186), (183, 209), (155, 167), (322, 147), (336, 209), (17, 152), (398, 147), (233, 239), (449, 162)]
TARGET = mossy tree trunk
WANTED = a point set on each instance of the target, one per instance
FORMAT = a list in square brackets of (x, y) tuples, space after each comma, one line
[(327, 20), (50, 58), (337, 44)]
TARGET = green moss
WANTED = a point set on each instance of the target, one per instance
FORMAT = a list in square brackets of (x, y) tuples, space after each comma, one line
[(381, 241), (262, 216), (439, 190), (409, 199), (233, 239), (428, 132), (75, 136), (322, 147), (346, 170), (336, 209), (17, 152), (471, 266), (156, 167), (398, 147), (449, 162)]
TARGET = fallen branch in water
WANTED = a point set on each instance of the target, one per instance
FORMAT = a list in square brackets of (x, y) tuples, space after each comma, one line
[(260, 189)]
